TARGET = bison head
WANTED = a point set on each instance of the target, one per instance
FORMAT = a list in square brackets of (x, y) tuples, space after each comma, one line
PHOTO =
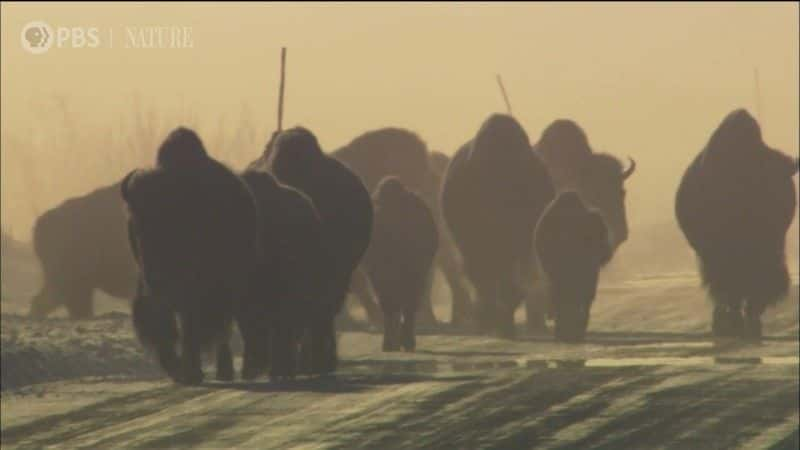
[(601, 186), (181, 147), (295, 154)]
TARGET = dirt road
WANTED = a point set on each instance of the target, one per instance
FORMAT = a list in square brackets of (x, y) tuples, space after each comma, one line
[(648, 377)]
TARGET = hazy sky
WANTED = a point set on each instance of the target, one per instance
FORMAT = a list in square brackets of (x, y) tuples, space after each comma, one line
[(646, 80)]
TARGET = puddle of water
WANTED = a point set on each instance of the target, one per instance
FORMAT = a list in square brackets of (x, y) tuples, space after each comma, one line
[(675, 345), (670, 361), (432, 366)]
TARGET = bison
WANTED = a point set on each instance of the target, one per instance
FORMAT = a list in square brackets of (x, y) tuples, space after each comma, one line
[(377, 154), (400, 258), (287, 280), (81, 245), (345, 207), (734, 204), (597, 177), (192, 230), (494, 192), (572, 245)]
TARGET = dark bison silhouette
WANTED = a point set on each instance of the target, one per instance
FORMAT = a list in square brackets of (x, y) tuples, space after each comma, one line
[(735, 204), (398, 152), (597, 177), (192, 230), (572, 245), (81, 245), (494, 192), (399, 259), (345, 207), (287, 281)]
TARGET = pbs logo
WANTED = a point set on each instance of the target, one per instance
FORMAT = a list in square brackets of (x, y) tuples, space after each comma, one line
[(37, 37)]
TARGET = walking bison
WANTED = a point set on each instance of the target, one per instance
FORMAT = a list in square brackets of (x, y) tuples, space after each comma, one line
[(345, 207), (494, 192), (572, 245), (597, 177), (192, 230), (286, 284), (734, 205), (81, 245), (399, 259), (397, 152)]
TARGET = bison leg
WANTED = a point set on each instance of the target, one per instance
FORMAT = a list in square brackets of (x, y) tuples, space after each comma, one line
[(391, 325), (306, 356), (78, 300), (461, 303), (506, 306), (752, 326), (43, 303), (284, 363), (486, 310), (564, 314), (727, 321), (256, 351), (581, 324), (536, 311), (157, 329), (331, 358), (361, 287), (224, 361), (191, 362), (323, 346), (426, 315), (408, 329)]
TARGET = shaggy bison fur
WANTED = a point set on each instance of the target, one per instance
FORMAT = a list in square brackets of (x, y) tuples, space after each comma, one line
[(399, 259), (735, 204), (192, 230), (81, 245), (494, 192), (345, 208), (287, 280), (572, 245)]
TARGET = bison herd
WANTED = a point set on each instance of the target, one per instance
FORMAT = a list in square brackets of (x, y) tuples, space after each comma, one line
[(275, 249)]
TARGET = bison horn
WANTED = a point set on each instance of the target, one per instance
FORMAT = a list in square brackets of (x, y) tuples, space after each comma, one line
[(630, 170), (124, 185)]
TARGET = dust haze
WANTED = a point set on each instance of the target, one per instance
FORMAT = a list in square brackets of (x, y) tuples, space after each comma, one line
[(649, 81), (646, 81)]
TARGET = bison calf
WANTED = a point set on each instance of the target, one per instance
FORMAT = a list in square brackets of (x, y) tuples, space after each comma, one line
[(192, 231), (400, 259), (572, 244)]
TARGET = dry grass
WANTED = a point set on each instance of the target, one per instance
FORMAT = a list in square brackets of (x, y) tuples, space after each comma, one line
[(61, 155)]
